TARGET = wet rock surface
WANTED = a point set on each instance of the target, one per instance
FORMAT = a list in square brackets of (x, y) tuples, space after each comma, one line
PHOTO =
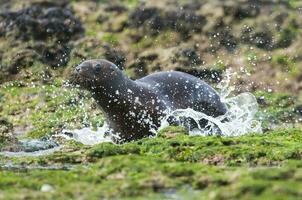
[(91, 48), (41, 22), (7, 137), (45, 29), (154, 20), (30, 145), (6, 129)]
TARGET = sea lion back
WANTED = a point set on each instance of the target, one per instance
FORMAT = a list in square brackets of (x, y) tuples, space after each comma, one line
[(183, 90)]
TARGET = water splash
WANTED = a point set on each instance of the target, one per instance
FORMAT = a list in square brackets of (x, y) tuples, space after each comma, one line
[(87, 136), (239, 120), (224, 86)]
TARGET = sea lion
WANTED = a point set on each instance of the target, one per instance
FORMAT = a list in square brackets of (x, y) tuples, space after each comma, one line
[(134, 108)]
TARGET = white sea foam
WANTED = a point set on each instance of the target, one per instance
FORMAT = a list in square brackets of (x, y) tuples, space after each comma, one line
[(239, 120), (86, 135)]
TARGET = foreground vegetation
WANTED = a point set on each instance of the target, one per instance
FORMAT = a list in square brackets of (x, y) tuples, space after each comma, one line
[(170, 165)]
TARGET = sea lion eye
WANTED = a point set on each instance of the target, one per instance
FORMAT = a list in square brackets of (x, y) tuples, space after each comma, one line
[(97, 67)]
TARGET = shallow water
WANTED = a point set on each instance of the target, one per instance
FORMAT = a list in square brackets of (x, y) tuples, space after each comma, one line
[(11, 166), (86, 135), (31, 154)]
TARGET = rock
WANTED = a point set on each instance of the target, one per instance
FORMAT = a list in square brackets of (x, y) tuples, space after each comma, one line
[(221, 36), (115, 56), (184, 21), (141, 15), (54, 55), (262, 101), (288, 32), (116, 24), (261, 39), (270, 31), (139, 68), (5, 126), (6, 131), (41, 22), (172, 132), (102, 18), (32, 145), (245, 9), (1, 99), (187, 57), (146, 62), (118, 8), (40, 32), (298, 109), (90, 48), (153, 20), (20, 59)]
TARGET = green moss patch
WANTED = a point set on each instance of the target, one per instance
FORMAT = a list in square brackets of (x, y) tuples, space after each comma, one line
[(39, 110), (246, 167)]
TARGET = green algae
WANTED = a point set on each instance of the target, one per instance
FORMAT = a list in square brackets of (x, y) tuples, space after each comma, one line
[(27, 106), (245, 167), (253, 166), (286, 63), (277, 108), (169, 165), (111, 38)]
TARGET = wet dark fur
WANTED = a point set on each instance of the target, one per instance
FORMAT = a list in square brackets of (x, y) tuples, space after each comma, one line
[(134, 108)]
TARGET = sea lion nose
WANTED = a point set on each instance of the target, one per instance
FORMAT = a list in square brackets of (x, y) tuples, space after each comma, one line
[(78, 69)]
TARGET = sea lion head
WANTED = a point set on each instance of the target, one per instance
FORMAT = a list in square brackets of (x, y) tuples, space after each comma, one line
[(96, 73)]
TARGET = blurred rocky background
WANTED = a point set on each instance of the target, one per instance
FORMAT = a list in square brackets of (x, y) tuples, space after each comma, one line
[(41, 39)]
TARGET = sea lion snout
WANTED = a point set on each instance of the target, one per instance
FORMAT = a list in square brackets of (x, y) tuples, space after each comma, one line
[(83, 68), (96, 73), (83, 75), (78, 69), (87, 72)]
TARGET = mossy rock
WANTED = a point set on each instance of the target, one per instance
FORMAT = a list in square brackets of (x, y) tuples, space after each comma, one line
[(249, 166)]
